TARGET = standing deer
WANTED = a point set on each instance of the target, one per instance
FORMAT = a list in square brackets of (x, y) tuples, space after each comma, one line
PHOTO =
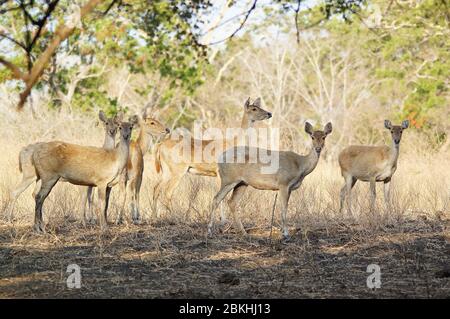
[(81, 165), (175, 165), (111, 125), (370, 164), (132, 178), (28, 170), (292, 169)]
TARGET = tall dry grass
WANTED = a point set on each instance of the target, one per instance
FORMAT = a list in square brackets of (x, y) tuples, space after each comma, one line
[(420, 187)]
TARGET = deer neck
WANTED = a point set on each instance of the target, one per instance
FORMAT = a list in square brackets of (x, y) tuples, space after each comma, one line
[(309, 162), (144, 140), (109, 142), (394, 152), (122, 151), (246, 122)]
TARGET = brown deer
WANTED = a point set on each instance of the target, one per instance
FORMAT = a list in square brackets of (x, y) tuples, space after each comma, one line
[(288, 176), (175, 165), (28, 170), (370, 164), (81, 165), (132, 177), (111, 125)]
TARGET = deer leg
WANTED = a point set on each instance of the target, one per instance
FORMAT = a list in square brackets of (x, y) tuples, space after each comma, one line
[(223, 218), (342, 198), (123, 191), (373, 194), (156, 194), (45, 189), (137, 190), (172, 185), (90, 201), (37, 187), (224, 190), (284, 194), (102, 206), (131, 191), (24, 184), (86, 200), (105, 212), (387, 193), (349, 183), (238, 191)]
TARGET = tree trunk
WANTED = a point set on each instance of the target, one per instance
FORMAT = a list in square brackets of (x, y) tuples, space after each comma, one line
[(62, 32)]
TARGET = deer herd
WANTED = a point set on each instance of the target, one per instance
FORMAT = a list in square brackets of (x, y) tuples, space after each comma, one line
[(122, 164)]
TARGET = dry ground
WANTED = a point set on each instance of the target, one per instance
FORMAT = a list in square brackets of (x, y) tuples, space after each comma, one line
[(167, 260)]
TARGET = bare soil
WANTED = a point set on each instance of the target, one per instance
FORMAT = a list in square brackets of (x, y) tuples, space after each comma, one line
[(169, 260)]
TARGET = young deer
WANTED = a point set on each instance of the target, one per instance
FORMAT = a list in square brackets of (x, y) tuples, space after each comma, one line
[(175, 165), (292, 169), (28, 170), (132, 178), (81, 165), (370, 164)]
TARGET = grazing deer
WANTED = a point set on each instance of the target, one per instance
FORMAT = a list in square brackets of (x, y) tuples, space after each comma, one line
[(370, 164), (175, 165), (132, 177), (28, 170), (81, 165), (292, 169)]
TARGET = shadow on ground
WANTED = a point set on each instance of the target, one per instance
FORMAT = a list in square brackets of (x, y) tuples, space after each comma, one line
[(176, 261)]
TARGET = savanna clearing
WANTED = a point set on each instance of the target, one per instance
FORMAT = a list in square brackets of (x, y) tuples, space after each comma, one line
[(356, 64), (171, 257)]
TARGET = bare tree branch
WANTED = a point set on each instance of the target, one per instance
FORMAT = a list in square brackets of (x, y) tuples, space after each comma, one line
[(247, 15), (62, 32), (17, 73)]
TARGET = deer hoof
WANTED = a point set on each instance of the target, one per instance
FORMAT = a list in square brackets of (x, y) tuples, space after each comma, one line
[(38, 228), (286, 239)]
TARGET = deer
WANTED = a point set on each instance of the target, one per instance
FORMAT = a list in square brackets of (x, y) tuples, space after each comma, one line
[(131, 181), (26, 166), (81, 165), (370, 164), (110, 125), (289, 174), (175, 166)]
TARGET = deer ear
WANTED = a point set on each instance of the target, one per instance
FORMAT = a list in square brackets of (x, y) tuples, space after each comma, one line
[(134, 120), (328, 128), (247, 103), (146, 113), (405, 124), (387, 124), (257, 102), (308, 128), (102, 116)]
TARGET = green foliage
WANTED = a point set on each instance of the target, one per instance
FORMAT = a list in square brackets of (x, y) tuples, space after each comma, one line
[(408, 52)]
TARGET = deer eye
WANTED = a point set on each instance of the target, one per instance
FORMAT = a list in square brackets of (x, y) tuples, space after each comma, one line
[(254, 109), (152, 123)]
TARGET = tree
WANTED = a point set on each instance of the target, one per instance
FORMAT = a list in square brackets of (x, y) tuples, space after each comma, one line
[(154, 34)]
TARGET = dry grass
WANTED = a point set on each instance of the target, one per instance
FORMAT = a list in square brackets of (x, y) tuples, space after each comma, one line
[(327, 257)]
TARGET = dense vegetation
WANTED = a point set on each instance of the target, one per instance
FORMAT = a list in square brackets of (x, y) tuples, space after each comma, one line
[(393, 53)]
